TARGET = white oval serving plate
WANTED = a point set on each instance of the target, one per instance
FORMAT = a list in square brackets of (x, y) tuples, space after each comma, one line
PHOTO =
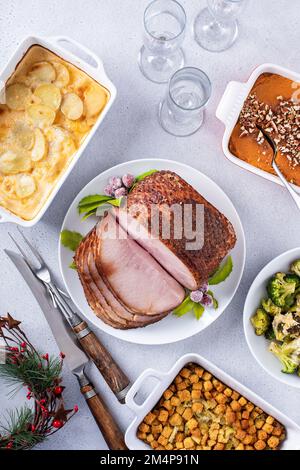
[(258, 344), (171, 328)]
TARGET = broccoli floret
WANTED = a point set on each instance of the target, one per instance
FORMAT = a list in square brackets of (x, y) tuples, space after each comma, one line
[(292, 278), (295, 267), (270, 334), (281, 290), (289, 362), (270, 307), (296, 307), (261, 321), (286, 326)]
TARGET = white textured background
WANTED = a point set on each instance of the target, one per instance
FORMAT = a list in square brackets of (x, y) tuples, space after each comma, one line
[(112, 28)]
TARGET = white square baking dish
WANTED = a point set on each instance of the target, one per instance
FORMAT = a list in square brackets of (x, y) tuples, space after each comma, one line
[(86, 60), (231, 105), (292, 441)]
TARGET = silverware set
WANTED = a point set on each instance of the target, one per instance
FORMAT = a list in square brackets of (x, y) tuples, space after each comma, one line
[(74, 338)]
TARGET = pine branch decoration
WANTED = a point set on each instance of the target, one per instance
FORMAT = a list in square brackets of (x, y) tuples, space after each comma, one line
[(25, 427)]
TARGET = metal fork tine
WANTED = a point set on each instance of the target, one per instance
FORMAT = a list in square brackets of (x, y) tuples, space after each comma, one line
[(32, 249), (27, 261), (20, 250)]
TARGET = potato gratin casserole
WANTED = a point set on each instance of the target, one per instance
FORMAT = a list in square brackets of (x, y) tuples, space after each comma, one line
[(198, 412), (50, 108)]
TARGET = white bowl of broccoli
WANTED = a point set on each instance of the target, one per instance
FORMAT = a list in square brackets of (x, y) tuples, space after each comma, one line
[(272, 318)]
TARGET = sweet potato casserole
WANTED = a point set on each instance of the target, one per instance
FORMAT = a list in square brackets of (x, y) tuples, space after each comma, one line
[(273, 104), (198, 412)]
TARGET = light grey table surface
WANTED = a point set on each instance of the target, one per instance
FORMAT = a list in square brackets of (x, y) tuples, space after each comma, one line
[(269, 32)]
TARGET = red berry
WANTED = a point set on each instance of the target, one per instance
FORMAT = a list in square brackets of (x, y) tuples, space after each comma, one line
[(62, 355), (23, 345), (57, 423), (32, 428), (46, 357), (76, 408), (58, 391), (9, 445)]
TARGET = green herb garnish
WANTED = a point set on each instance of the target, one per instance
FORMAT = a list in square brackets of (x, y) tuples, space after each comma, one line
[(222, 272), (70, 239), (186, 306)]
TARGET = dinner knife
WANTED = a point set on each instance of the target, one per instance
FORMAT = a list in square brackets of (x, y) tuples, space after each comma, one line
[(75, 358)]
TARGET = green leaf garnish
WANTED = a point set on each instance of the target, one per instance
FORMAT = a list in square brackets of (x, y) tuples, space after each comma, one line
[(185, 307), (115, 202), (215, 302), (222, 272), (143, 175), (70, 239), (198, 310), (73, 266), (87, 204), (86, 201)]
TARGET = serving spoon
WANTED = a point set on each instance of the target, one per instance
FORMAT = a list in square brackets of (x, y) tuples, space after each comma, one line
[(288, 186)]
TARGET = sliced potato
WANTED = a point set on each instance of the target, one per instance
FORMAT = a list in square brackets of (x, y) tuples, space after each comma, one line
[(8, 185), (79, 126), (42, 72), (40, 146), (95, 99), (61, 143), (25, 186), (72, 106), (23, 135), (41, 115), (18, 96), (13, 161), (62, 74), (49, 95)]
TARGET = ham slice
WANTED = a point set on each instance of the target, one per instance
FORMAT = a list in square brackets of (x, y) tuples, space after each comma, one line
[(164, 189), (99, 297), (132, 274)]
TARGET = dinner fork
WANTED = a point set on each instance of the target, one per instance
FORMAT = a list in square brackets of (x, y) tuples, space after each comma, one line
[(114, 376), (288, 186)]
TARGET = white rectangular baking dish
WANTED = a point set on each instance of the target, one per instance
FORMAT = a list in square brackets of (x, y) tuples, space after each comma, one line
[(86, 60), (230, 107), (165, 379)]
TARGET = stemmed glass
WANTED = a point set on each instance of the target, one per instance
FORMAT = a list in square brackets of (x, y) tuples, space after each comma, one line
[(181, 112), (216, 27), (164, 30)]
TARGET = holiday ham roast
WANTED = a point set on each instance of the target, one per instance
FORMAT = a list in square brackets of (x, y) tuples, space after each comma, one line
[(165, 189), (122, 282), (132, 278)]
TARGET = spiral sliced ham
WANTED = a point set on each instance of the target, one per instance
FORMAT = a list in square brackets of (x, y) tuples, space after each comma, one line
[(119, 279), (164, 189), (132, 279)]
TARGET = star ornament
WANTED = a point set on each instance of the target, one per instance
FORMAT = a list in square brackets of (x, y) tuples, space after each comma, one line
[(11, 322), (62, 414)]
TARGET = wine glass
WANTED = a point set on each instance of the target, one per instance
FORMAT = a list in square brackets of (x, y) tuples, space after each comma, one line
[(164, 30), (216, 28), (181, 112)]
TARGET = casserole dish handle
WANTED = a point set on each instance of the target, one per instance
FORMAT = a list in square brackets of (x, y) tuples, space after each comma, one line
[(5, 217), (233, 98), (147, 374), (86, 54)]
